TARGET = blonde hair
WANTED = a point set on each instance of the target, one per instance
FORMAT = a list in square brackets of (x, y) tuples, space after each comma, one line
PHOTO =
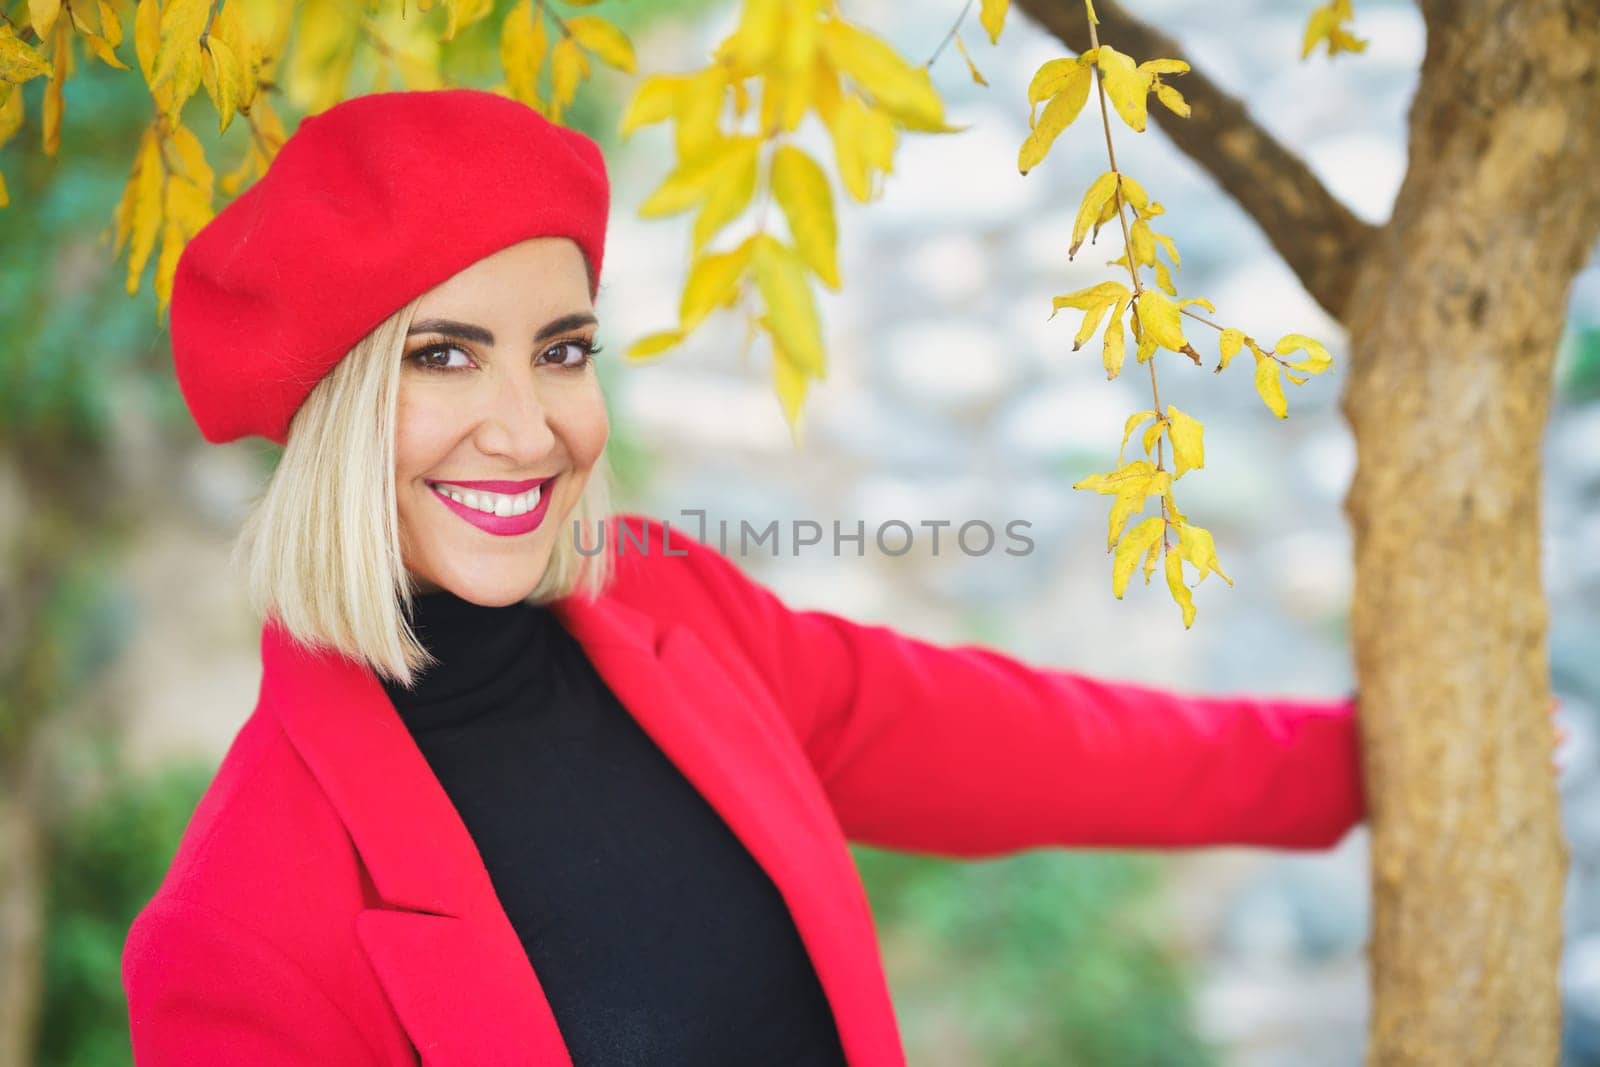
[(321, 547)]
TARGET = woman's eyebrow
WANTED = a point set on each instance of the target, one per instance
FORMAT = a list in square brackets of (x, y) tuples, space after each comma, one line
[(466, 331)]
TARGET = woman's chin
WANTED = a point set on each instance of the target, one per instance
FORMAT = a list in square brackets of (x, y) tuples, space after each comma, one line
[(491, 583)]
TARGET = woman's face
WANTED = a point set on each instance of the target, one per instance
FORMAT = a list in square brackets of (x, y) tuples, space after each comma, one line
[(495, 387)]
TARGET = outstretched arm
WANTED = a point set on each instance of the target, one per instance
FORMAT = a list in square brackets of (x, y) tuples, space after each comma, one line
[(968, 751)]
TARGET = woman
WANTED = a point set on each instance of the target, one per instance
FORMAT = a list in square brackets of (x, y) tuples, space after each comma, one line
[(503, 801)]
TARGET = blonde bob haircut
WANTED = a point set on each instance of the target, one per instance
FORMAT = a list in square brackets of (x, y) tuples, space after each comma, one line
[(321, 546)]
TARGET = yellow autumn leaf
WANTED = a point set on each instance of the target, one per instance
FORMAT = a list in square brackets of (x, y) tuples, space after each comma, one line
[(144, 221), (1180, 591), (657, 98), (42, 15), (223, 78), (1094, 200), (609, 44), (801, 189), (654, 344), (1185, 432), (1091, 320), (54, 92), (790, 307), (800, 45), (1153, 435), (191, 156), (1160, 321), (972, 68), (1054, 76), (1084, 299), (1317, 359), (172, 242), (181, 24), (1197, 546), (1172, 100), (1094, 301), (1129, 84), (694, 178), (87, 19), (992, 16), (1326, 26), (463, 13), (1132, 424), (111, 23), (147, 38), (1125, 84), (699, 114), (1064, 106), (1120, 480), (19, 61), (789, 380), (902, 89), (1270, 386), (569, 65), (524, 42), (1132, 484), (1129, 550), (712, 283), (729, 193), (1232, 340), (755, 40), (1115, 340)]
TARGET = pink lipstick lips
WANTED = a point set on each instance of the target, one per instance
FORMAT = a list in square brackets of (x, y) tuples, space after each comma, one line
[(500, 525)]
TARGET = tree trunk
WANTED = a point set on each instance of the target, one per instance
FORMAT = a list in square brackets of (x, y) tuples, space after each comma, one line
[(1454, 309), (1454, 320), (21, 916)]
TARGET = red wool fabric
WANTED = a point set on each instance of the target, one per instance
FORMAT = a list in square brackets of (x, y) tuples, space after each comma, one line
[(368, 205), (328, 906)]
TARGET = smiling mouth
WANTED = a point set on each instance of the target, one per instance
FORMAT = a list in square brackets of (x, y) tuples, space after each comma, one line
[(504, 505)]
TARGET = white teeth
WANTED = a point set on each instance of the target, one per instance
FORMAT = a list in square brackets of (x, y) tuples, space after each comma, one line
[(493, 503)]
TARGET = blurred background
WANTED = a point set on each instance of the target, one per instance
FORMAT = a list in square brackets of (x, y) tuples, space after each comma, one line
[(130, 658)]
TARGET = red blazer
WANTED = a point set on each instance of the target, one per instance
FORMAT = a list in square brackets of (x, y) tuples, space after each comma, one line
[(327, 905)]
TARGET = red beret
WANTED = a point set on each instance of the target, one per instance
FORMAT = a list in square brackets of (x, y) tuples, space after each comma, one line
[(368, 205)]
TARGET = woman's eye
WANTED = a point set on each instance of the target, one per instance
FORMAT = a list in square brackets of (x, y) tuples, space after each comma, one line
[(579, 352), (438, 357)]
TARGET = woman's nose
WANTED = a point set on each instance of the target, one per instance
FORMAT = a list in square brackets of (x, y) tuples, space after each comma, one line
[(516, 423)]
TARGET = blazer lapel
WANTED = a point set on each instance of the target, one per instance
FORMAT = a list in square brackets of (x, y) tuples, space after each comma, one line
[(754, 775), (446, 954), (441, 944)]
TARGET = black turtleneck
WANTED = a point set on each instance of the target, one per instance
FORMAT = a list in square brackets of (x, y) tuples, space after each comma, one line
[(655, 935)]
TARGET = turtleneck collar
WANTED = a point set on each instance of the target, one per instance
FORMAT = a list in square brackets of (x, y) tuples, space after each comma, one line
[(483, 652)]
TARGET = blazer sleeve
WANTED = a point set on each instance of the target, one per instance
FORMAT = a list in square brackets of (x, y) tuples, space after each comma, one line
[(966, 751), (203, 988)]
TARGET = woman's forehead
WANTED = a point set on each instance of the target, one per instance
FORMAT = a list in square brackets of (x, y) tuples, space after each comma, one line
[(541, 276)]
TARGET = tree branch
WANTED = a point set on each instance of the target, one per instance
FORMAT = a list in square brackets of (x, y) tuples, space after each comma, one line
[(1315, 234)]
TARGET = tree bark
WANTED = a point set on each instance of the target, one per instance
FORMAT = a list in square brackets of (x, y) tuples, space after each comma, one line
[(1454, 310), (21, 916), (1454, 321)]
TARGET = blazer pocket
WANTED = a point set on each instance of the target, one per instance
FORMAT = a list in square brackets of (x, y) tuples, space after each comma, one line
[(462, 999)]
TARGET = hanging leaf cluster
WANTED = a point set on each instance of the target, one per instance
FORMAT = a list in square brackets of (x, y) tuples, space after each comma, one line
[(1152, 313), (733, 123), (236, 51)]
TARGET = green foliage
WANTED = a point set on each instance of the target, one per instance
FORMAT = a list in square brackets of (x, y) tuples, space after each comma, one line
[(1580, 382), (1043, 959), (107, 859)]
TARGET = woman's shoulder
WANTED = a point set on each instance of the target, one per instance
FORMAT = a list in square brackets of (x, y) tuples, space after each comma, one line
[(260, 823), (659, 564)]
